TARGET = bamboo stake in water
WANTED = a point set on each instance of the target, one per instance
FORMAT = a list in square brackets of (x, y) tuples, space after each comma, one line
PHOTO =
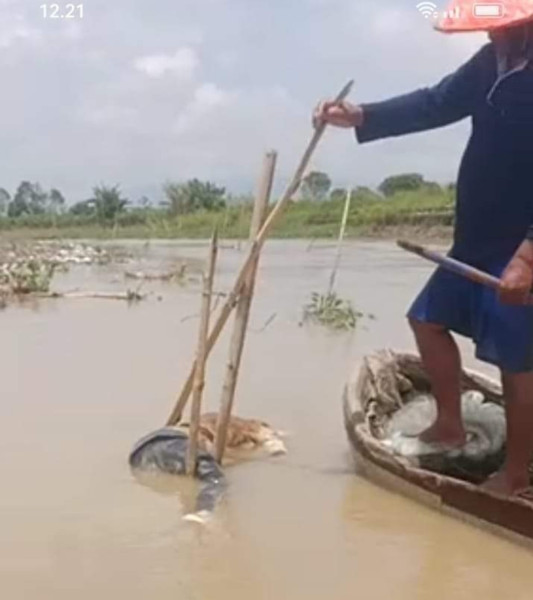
[(254, 250), (243, 310), (199, 371), (341, 239)]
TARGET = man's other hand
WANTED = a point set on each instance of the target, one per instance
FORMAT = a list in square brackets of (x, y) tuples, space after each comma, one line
[(516, 282), (339, 114)]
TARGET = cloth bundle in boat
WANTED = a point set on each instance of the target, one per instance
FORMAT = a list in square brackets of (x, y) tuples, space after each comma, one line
[(486, 435)]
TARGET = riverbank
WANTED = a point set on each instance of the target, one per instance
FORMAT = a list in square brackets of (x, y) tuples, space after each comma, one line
[(423, 233), (416, 215)]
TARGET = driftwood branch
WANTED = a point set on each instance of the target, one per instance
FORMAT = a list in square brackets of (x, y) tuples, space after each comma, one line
[(128, 296), (267, 323)]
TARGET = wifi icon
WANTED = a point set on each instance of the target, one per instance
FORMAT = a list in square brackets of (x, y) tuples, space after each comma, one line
[(427, 9)]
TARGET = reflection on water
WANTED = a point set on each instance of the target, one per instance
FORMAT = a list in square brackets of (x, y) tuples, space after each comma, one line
[(84, 379)]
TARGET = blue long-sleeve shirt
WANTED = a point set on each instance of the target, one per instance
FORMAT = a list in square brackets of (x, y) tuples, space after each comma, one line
[(494, 209)]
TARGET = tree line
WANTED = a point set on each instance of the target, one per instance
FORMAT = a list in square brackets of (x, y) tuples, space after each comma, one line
[(317, 187), (107, 203)]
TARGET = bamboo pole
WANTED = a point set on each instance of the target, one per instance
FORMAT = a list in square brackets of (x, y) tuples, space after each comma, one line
[(240, 225), (242, 313), (254, 250), (341, 239), (199, 371), (456, 266)]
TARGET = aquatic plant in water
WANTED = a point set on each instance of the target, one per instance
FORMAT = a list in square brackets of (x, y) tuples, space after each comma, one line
[(27, 276), (331, 311)]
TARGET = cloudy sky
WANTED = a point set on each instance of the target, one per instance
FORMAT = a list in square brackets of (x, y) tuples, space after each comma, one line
[(142, 91)]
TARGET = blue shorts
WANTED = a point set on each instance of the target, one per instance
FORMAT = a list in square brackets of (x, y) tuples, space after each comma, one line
[(503, 335)]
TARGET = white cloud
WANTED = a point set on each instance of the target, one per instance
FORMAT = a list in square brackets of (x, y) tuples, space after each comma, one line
[(123, 95), (206, 99), (182, 64), (14, 28)]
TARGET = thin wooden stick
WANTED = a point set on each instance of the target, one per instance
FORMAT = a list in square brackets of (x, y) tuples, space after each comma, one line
[(254, 250), (341, 239), (199, 371), (455, 266), (243, 310)]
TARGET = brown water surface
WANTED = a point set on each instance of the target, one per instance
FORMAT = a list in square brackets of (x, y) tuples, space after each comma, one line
[(83, 379)]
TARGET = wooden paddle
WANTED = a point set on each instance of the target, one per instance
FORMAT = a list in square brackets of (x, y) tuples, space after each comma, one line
[(455, 266)]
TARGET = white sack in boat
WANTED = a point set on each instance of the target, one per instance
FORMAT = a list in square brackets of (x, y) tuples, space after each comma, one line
[(484, 423)]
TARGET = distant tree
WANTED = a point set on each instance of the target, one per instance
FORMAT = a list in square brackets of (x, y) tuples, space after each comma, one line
[(362, 190), (85, 208), (145, 202), (4, 201), (363, 193), (401, 183), (175, 198), (29, 199), (56, 202), (338, 194), (108, 203), (359, 192), (194, 195), (432, 187), (315, 186)]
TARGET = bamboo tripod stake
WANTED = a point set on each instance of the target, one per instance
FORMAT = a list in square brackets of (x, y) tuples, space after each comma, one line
[(254, 251), (243, 309), (199, 370), (341, 239)]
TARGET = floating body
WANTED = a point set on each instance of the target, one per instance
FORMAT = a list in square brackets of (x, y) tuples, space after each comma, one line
[(165, 451)]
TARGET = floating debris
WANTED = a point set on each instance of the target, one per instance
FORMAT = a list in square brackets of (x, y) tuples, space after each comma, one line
[(26, 276), (130, 296), (177, 275), (27, 269), (331, 311), (57, 253)]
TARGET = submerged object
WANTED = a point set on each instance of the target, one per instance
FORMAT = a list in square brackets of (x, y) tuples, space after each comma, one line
[(244, 437), (165, 451), (388, 403)]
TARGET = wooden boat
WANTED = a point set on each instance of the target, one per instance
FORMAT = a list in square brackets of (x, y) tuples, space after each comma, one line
[(386, 383)]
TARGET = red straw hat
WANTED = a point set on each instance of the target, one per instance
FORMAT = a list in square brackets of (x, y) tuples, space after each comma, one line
[(466, 15)]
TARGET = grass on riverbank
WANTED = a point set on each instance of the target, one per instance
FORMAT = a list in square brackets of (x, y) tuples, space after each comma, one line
[(423, 214)]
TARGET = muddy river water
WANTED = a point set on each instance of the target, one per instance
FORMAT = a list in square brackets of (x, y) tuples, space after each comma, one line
[(82, 380)]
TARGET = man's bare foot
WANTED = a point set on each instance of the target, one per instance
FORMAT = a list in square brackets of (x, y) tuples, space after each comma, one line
[(439, 433), (506, 485)]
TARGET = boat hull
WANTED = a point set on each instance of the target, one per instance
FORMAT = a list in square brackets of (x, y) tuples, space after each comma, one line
[(510, 518)]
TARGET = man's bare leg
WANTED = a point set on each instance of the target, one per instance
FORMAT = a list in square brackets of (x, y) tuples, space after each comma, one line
[(514, 477), (442, 362)]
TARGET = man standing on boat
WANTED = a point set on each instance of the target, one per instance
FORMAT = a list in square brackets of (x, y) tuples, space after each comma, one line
[(494, 222)]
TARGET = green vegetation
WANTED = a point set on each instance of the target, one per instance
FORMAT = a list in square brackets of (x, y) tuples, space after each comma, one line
[(25, 276), (331, 311), (192, 209)]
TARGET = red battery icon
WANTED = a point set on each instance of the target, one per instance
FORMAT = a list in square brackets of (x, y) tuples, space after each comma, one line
[(488, 10)]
